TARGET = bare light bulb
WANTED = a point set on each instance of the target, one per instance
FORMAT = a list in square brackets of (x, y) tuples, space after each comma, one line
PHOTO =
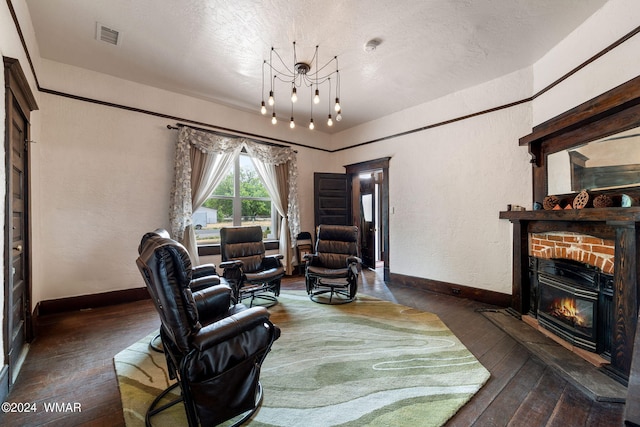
[(273, 119), (330, 121), (263, 108), (311, 125), (316, 98), (294, 95), (292, 124), (270, 100), (337, 106), (339, 116)]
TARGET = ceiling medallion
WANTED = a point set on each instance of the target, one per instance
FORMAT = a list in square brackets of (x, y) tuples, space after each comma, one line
[(301, 75)]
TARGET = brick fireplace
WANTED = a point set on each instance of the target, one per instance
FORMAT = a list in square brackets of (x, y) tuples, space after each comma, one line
[(604, 234), (571, 278), (605, 238), (574, 246)]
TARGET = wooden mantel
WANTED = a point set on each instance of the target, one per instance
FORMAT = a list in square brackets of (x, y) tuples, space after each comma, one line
[(622, 225)]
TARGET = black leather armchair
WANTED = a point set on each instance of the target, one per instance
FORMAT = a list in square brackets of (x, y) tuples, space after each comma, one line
[(214, 349), (246, 267), (335, 266), (202, 276)]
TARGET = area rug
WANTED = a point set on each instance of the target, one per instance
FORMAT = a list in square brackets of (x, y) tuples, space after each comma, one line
[(367, 363)]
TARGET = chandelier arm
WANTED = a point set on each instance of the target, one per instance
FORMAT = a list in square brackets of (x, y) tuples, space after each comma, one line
[(315, 58), (284, 64), (321, 80), (263, 80), (276, 71), (325, 66), (295, 57), (271, 68), (283, 80)]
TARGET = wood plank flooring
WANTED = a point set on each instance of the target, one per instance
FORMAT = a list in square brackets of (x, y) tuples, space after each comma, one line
[(71, 361)]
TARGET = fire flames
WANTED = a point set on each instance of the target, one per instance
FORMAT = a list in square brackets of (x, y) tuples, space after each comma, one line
[(565, 309)]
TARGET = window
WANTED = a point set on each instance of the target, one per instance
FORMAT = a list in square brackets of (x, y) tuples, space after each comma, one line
[(240, 199)]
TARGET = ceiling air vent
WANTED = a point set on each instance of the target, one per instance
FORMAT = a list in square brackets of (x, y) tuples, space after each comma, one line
[(106, 34)]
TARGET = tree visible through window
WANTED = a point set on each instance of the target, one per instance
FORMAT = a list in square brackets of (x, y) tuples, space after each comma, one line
[(240, 199)]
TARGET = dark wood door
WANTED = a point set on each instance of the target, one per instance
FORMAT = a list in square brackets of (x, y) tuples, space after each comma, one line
[(18, 274), (332, 199), (368, 221), (19, 102)]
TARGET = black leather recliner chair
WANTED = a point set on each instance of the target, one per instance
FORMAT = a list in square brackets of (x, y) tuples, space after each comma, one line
[(335, 266), (202, 276), (246, 267), (214, 348)]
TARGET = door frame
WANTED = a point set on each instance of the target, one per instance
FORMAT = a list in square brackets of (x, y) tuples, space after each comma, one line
[(373, 165), (18, 99)]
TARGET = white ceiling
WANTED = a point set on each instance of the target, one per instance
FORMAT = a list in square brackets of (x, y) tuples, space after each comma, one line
[(214, 49)]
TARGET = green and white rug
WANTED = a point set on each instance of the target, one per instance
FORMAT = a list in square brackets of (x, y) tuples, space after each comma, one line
[(367, 363)]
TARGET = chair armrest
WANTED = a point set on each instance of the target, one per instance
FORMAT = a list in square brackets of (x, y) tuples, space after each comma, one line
[(212, 302), (311, 259), (354, 259), (272, 261), (230, 327), (203, 270), (236, 263), (232, 271), (204, 282)]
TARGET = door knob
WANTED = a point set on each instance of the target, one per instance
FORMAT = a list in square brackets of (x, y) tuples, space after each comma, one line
[(18, 248)]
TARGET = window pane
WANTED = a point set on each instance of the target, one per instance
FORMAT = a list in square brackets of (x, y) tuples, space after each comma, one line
[(253, 201), (250, 182), (223, 206), (258, 212), (225, 188), (253, 210), (210, 218)]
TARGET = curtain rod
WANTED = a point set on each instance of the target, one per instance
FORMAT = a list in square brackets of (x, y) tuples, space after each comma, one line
[(241, 135)]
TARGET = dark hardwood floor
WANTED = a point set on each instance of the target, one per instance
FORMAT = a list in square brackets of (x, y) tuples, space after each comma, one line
[(71, 361)]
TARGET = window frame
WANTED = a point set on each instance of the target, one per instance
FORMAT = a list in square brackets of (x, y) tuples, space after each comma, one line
[(271, 241)]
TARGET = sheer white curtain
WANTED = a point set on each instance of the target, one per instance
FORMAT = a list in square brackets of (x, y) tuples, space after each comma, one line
[(202, 160), (278, 169)]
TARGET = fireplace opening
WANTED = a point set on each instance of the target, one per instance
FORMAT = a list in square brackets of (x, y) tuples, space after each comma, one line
[(574, 301)]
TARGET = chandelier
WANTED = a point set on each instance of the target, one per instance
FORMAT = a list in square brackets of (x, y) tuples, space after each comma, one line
[(301, 76)]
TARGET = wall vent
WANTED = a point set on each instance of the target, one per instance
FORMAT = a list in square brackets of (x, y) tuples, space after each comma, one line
[(106, 34)]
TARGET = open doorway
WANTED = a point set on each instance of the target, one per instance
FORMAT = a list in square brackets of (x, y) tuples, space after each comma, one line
[(370, 211), (370, 219)]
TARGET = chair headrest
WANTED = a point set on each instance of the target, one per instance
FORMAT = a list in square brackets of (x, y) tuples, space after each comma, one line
[(305, 235), (158, 233), (231, 235), (343, 233)]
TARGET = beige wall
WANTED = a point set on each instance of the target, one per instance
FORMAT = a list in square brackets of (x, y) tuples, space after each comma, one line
[(447, 184), (106, 174)]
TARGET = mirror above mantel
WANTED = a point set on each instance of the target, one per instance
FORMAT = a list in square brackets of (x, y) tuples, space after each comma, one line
[(604, 164), (589, 133)]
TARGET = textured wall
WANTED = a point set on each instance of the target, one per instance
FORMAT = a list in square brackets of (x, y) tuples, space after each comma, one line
[(448, 183), (104, 180)]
